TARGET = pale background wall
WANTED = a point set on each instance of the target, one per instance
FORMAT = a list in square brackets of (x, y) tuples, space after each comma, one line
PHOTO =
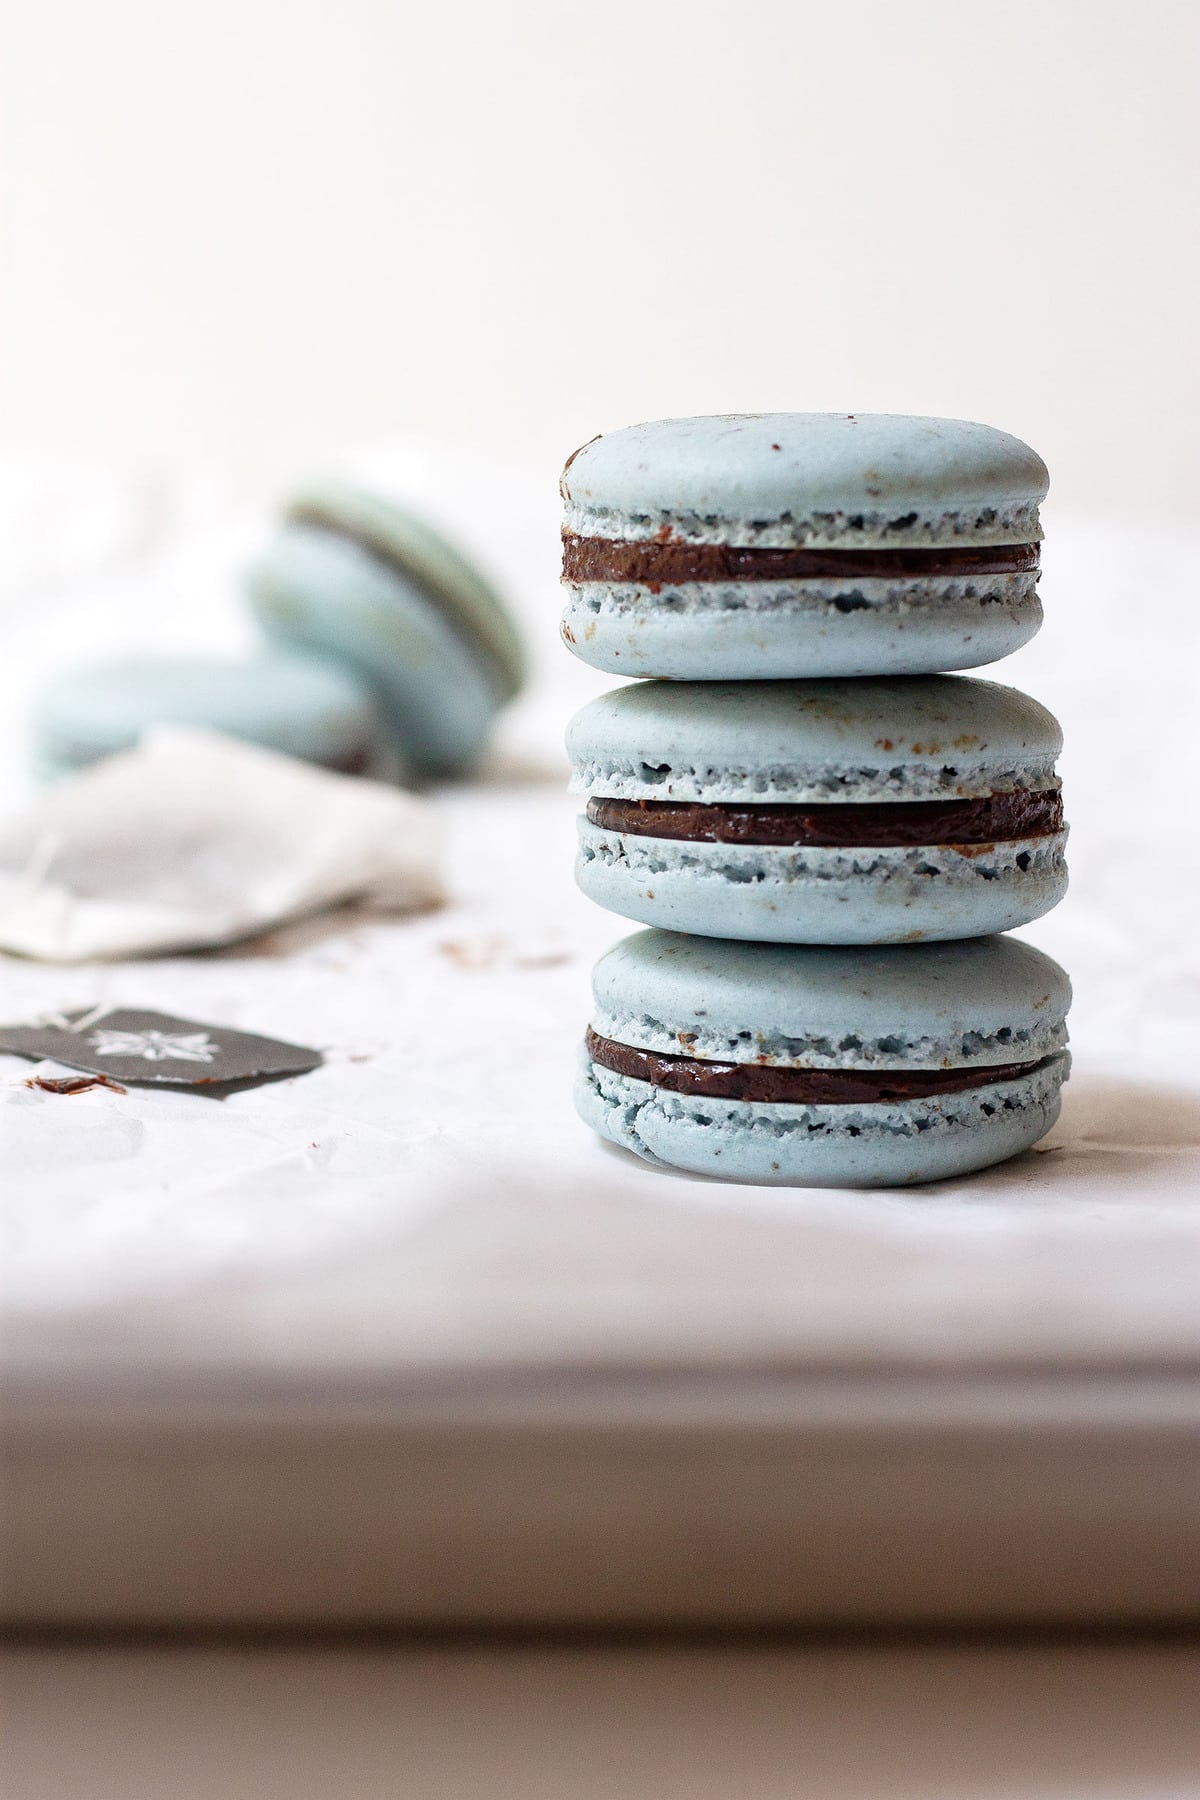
[(249, 231)]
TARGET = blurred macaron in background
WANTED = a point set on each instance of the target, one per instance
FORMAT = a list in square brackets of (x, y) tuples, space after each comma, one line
[(352, 576), (387, 651), (295, 704)]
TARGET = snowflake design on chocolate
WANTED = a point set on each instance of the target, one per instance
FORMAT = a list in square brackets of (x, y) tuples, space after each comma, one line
[(156, 1046)]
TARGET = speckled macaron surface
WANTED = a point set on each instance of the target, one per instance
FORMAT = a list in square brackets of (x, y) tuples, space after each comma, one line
[(783, 545), (294, 704), (815, 1066), (360, 580), (821, 812)]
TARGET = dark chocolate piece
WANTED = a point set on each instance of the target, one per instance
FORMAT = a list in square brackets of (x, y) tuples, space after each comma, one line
[(803, 1087), (886, 824), (658, 563), (140, 1046)]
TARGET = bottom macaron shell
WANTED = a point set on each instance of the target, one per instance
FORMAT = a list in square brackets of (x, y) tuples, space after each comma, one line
[(770, 894), (756, 631), (896, 1144)]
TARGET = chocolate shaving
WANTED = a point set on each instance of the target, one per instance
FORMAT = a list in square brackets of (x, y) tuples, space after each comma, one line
[(73, 1084)]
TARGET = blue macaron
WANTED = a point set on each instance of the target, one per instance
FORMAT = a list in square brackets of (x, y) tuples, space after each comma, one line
[(294, 704), (820, 1067), (821, 812), (773, 545), (360, 580)]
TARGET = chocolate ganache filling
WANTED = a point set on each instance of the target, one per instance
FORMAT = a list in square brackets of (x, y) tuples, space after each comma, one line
[(803, 1087), (888, 824), (657, 563)]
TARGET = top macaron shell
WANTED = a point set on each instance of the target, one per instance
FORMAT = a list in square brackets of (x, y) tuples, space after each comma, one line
[(964, 1004), (795, 741), (360, 580), (943, 513), (808, 480)]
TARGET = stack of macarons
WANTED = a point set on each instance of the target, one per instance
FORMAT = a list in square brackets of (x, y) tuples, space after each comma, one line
[(388, 652), (822, 827)]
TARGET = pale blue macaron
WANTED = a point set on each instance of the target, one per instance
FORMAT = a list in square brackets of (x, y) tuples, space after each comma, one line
[(763, 546), (286, 702), (821, 1067), (360, 580), (821, 812)]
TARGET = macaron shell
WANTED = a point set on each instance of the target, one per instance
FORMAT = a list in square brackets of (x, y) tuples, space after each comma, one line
[(912, 738), (897, 1144), (821, 896), (815, 480), (430, 564), (936, 1006), (295, 704), (766, 631), (322, 591)]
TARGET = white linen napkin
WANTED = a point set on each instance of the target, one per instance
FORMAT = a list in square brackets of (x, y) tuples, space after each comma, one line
[(195, 839)]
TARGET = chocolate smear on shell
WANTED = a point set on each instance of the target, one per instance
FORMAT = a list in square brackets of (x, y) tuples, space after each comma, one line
[(888, 824), (475, 630), (793, 1087), (563, 489), (138, 1047), (660, 563)]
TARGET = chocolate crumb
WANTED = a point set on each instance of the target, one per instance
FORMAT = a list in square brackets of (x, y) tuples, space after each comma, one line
[(73, 1084)]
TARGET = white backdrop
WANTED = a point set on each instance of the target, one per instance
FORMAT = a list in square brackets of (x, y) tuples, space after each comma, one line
[(249, 232)]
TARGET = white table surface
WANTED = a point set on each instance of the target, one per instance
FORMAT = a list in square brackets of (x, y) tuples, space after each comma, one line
[(451, 1038), (427, 1204), (866, 1723)]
